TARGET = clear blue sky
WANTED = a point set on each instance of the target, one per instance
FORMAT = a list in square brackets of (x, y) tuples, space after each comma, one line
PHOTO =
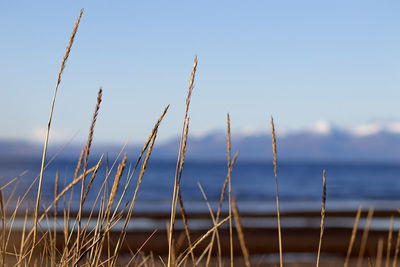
[(300, 61)]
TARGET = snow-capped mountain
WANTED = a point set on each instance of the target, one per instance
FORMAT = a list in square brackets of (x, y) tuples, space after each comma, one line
[(377, 141)]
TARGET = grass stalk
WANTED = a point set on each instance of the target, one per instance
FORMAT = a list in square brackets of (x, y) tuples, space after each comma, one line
[(115, 185), (228, 146), (396, 251), (3, 234), (178, 164), (149, 147), (145, 147), (87, 152), (201, 239), (66, 55), (389, 242), (21, 249), (123, 232), (322, 215), (183, 212), (276, 187), (365, 237), (353, 236), (215, 223), (55, 217), (221, 200), (187, 231), (239, 229)]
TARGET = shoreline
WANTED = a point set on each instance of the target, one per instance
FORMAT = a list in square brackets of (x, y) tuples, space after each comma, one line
[(258, 240), (300, 232)]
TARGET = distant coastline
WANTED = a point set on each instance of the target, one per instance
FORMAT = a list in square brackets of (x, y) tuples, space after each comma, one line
[(328, 144)]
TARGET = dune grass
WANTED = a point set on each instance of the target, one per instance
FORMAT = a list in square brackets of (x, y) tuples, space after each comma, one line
[(86, 239)]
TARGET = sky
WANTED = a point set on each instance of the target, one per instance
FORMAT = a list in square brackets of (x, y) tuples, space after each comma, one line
[(300, 61)]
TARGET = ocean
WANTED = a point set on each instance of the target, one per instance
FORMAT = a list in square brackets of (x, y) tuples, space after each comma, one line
[(253, 184)]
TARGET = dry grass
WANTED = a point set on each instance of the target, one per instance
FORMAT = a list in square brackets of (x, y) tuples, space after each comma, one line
[(389, 243), (365, 237), (396, 251), (229, 185), (179, 163), (277, 194), (221, 200), (323, 210), (353, 236), (87, 152), (66, 55), (239, 228), (86, 240)]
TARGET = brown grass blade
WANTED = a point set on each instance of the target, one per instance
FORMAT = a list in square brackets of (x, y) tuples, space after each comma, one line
[(3, 235), (55, 218), (277, 195), (221, 200), (87, 152), (66, 189), (322, 215), (396, 251), (183, 212), (215, 232), (21, 249), (66, 55), (78, 165), (353, 236), (365, 237), (114, 188), (185, 136), (187, 231), (146, 145), (132, 205), (105, 231), (228, 147), (178, 163), (239, 229), (389, 242), (62, 193), (91, 130), (141, 247), (96, 169), (201, 239)]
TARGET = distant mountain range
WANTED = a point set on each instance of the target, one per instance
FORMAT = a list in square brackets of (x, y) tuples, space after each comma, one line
[(324, 142)]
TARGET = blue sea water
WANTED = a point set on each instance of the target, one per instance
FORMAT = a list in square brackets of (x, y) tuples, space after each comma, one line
[(253, 183)]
